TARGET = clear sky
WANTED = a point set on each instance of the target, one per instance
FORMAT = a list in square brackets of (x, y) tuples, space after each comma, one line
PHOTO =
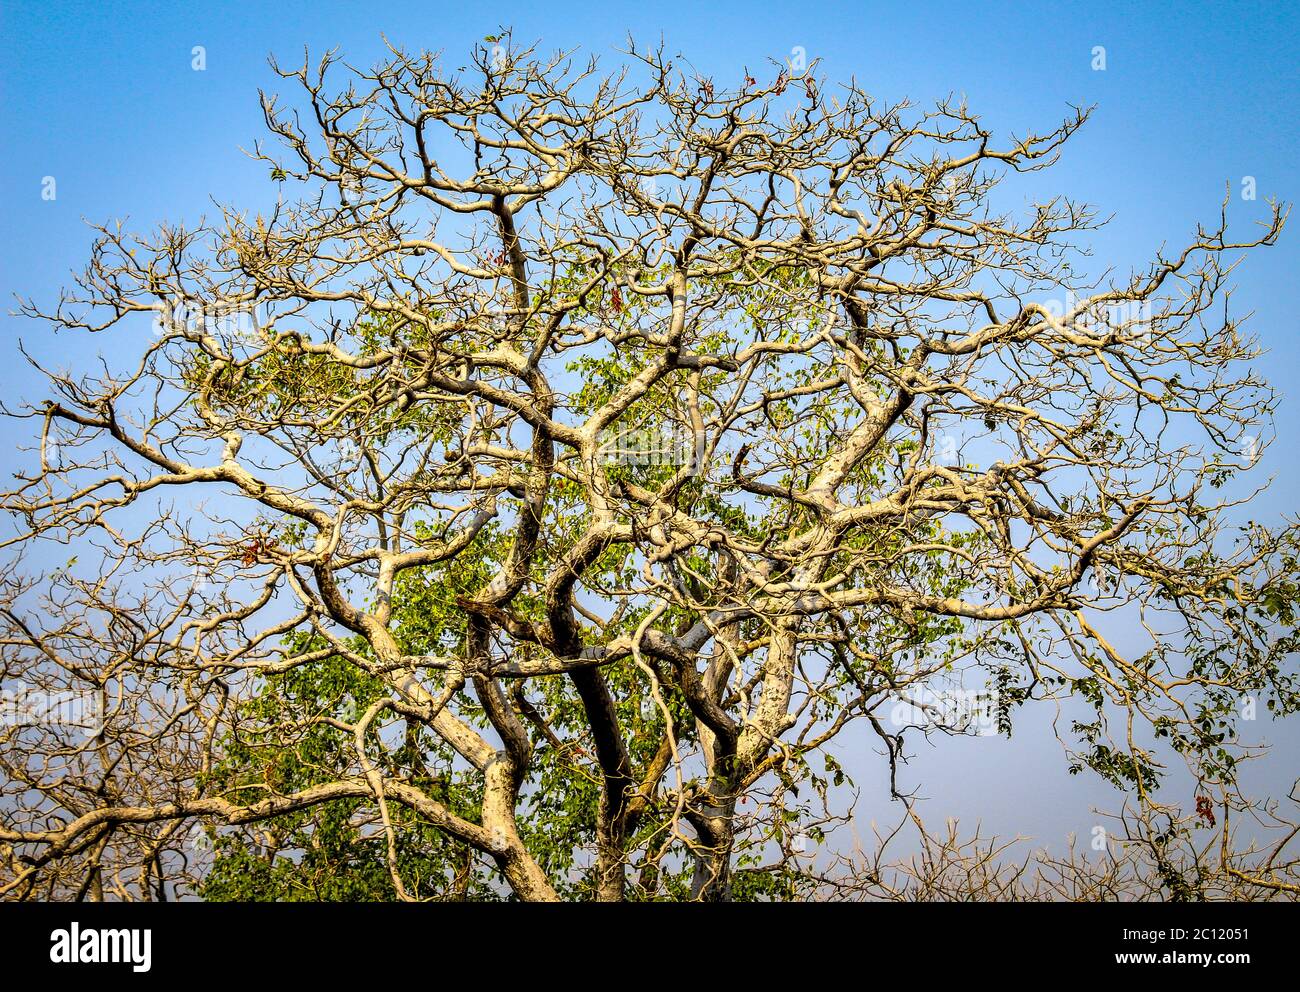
[(102, 97)]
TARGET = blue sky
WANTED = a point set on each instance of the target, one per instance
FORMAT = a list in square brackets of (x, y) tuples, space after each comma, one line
[(102, 97)]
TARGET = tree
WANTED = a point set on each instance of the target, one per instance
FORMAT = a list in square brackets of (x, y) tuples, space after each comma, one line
[(522, 504)]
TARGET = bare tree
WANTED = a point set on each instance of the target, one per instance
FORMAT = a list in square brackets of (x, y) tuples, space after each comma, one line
[(628, 437)]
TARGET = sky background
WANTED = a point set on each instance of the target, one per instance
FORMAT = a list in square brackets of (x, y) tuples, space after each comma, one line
[(102, 97)]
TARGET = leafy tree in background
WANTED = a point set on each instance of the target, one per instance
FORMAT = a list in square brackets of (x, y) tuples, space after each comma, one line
[(529, 503)]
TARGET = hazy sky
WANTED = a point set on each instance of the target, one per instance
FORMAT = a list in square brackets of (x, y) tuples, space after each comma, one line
[(102, 97)]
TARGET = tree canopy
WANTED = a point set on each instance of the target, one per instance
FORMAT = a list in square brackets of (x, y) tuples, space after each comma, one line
[(522, 505)]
